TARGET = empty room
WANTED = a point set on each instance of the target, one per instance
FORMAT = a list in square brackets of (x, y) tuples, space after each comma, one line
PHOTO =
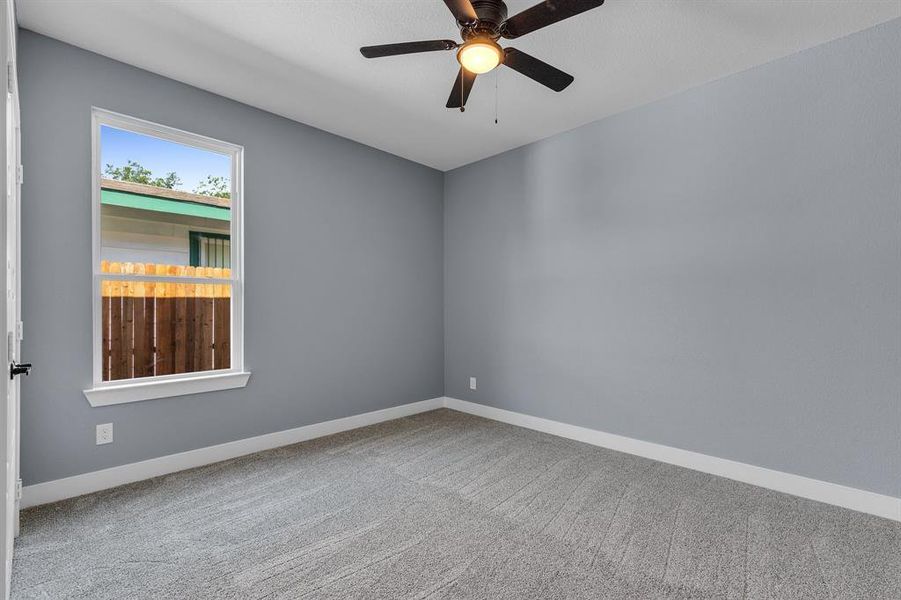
[(460, 299)]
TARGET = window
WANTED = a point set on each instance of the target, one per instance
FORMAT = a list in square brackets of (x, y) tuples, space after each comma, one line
[(168, 286), (210, 249)]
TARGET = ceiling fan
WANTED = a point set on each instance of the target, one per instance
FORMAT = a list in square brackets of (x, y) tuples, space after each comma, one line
[(482, 23)]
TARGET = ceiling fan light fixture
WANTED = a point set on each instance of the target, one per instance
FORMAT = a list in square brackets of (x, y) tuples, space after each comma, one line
[(482, 23), (480, 56)]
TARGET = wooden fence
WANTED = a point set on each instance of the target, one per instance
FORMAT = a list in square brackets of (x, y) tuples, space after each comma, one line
[(161, 328)]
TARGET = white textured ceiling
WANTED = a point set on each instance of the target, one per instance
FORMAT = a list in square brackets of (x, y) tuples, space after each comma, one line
[(300, 59)]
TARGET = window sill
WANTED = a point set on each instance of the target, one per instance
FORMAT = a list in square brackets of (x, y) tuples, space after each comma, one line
[(150, 390)]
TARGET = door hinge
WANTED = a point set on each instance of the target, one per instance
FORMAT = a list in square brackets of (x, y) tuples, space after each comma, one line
[(20, 328), (10, 78), (20, 174), (18, 489)]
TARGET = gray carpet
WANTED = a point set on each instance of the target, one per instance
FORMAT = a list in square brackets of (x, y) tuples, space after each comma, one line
[(446, 505)]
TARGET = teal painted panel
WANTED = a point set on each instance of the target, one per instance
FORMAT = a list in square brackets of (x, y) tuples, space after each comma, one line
[(165, 205)]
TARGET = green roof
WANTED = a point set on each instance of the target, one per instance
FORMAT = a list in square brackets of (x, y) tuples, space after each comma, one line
[(164, 205)]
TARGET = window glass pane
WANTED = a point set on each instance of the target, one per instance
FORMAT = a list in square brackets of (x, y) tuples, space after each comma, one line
[(152, 328), (159, 198)]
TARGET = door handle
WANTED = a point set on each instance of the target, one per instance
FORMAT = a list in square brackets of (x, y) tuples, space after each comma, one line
[(19, 369)]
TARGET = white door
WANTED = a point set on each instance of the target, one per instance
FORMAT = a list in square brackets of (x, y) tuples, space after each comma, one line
[(9, 393), (13, 289)]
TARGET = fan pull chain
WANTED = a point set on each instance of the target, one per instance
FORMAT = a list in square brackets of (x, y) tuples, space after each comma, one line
[(462, 83), (496, 77)]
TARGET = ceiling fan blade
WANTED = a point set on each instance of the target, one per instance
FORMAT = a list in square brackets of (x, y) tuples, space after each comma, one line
[(544, 14), (462, 10), (536, 69), (407, 48), (462, 87)]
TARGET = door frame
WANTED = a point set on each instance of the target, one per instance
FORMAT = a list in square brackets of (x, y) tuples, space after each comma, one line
[(10, 306)]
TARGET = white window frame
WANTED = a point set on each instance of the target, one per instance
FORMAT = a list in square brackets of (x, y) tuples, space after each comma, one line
[(105, 393)]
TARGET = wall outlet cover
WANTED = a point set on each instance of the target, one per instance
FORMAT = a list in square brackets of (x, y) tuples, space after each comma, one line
[(104, 434), (472, 383)]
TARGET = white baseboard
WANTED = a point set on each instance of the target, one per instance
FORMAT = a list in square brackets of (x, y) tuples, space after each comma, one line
[(77, 485), (822, 491)]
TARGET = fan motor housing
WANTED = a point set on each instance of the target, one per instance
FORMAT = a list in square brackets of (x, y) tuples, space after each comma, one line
[(491, 14)]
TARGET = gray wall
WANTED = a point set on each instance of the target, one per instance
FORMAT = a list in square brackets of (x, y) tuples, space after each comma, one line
[(343, 259), (718, 271)]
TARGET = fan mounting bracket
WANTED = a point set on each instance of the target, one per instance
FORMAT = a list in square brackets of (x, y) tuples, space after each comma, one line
[(491, 16)]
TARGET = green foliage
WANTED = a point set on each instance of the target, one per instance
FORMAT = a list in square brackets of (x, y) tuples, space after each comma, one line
[(169, 181), (134, 172), (215, 186), (137, 173)]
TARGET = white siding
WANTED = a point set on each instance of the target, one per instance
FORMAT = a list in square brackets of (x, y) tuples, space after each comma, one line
[(127, 239)]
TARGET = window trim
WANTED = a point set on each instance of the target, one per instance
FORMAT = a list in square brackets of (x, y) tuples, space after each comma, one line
[(105, 393)]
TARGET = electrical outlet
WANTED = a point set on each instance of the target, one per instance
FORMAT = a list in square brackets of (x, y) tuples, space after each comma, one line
[(104, 433), (472, 383)]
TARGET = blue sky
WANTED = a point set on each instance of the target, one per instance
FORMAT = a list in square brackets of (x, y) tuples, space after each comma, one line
[(192, 165)]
